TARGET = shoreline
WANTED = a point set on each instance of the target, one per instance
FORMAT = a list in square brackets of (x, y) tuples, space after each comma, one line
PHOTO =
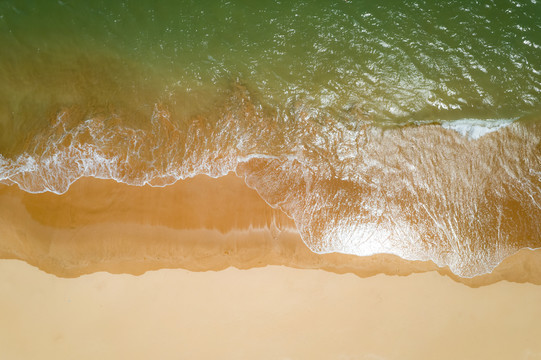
[(198, 224)]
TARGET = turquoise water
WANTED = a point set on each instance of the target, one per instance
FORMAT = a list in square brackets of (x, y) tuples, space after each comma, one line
[(306, 100)]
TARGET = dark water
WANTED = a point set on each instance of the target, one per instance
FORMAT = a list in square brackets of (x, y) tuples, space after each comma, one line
[(406, 127)]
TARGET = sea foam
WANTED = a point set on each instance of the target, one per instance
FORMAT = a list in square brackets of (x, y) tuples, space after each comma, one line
[(361, 190), (475, 128)]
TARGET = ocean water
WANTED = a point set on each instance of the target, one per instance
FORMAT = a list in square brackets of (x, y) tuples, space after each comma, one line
[(403, 127)]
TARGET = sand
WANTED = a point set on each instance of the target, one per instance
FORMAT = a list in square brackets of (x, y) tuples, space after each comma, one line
[(190, 299), (274, 312)]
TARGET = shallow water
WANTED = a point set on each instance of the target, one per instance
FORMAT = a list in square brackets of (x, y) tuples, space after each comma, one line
[(409, 128)]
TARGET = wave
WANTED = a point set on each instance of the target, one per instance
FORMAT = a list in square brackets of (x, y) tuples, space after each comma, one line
[(464, 194), (476, 128)]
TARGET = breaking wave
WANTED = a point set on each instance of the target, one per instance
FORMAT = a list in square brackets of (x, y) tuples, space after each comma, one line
[(464, 194)]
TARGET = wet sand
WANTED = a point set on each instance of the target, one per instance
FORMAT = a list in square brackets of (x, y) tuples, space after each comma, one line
[(197, 224)]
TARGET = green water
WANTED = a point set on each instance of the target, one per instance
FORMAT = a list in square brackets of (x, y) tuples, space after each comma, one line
[(397, 60)]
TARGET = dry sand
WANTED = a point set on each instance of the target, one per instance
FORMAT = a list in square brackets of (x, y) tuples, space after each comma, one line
[(267, 313), (355, 309)]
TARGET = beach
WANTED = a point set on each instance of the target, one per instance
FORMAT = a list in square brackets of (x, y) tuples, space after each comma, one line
[(273, 312), (320, 179)]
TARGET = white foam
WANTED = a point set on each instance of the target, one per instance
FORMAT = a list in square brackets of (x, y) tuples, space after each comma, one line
[(474, 129), (342, 185)]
